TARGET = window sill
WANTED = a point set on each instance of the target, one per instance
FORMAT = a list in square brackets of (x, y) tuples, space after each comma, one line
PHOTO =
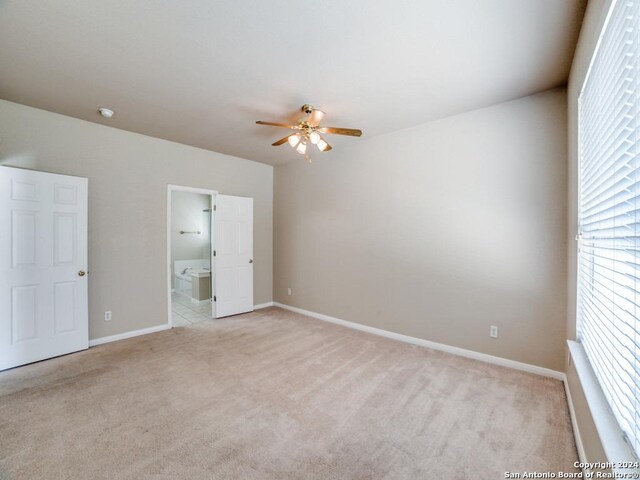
[(611, 436)]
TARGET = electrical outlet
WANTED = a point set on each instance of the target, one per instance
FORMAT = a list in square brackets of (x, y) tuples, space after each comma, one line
[(289, 291), (107, 316), (493, 331)]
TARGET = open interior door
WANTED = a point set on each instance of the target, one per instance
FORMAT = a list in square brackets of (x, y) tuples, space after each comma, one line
[(233, 261), (43, 266)]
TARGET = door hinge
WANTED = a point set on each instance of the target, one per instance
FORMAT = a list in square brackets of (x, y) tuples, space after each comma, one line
[(214, 298), (214, 253), (214, 208)]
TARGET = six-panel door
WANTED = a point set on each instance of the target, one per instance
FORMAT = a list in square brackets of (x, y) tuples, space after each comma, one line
[(43, 266), (234, 255)]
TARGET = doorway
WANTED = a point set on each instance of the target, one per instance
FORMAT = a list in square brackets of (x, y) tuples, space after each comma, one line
[(209, 255), (190, 275)]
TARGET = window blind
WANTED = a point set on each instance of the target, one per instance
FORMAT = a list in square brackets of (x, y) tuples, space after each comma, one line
[(609, 220)]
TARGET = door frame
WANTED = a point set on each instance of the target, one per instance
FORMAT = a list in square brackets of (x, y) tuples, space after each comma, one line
[(180, 188)]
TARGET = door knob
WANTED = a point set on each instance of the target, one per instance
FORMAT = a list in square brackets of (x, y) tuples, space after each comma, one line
[(251, 260), (82, 273)]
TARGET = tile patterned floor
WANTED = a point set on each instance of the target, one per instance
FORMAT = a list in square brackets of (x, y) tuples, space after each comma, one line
[(185, 313)]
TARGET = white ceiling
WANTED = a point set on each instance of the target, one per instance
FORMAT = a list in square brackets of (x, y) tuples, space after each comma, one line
[(201, 72)]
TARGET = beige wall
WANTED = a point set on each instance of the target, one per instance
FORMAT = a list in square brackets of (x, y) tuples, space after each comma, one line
[(592, 26), (437, 231), (128, 176)]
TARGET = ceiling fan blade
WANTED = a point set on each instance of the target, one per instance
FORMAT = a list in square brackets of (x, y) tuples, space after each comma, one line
[(275, 124), (315, 117), (281, 141), (352, 132)]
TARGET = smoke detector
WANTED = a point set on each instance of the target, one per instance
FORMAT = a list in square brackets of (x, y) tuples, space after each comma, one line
[(105, 112)]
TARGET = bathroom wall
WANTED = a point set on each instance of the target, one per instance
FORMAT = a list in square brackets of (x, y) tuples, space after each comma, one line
[(187, 214)]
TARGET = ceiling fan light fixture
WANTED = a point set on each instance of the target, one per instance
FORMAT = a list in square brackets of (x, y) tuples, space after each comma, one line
[(314, 137), (308, 131), (293, 140), (322, 145)]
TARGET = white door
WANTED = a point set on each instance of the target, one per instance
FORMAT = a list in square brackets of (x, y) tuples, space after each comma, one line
[(233, 259), (43, 263)]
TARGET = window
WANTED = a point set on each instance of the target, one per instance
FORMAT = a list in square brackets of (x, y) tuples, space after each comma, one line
[(609, 217)]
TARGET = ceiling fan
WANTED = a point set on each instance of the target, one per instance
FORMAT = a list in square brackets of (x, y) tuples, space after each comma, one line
[(308, 131)]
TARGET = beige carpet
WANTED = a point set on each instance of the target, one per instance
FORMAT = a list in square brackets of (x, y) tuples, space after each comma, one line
[(275, 395)]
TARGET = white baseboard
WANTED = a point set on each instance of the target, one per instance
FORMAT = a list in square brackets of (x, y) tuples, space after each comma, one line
[(263, 305), (483, 357), (133, 333)]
